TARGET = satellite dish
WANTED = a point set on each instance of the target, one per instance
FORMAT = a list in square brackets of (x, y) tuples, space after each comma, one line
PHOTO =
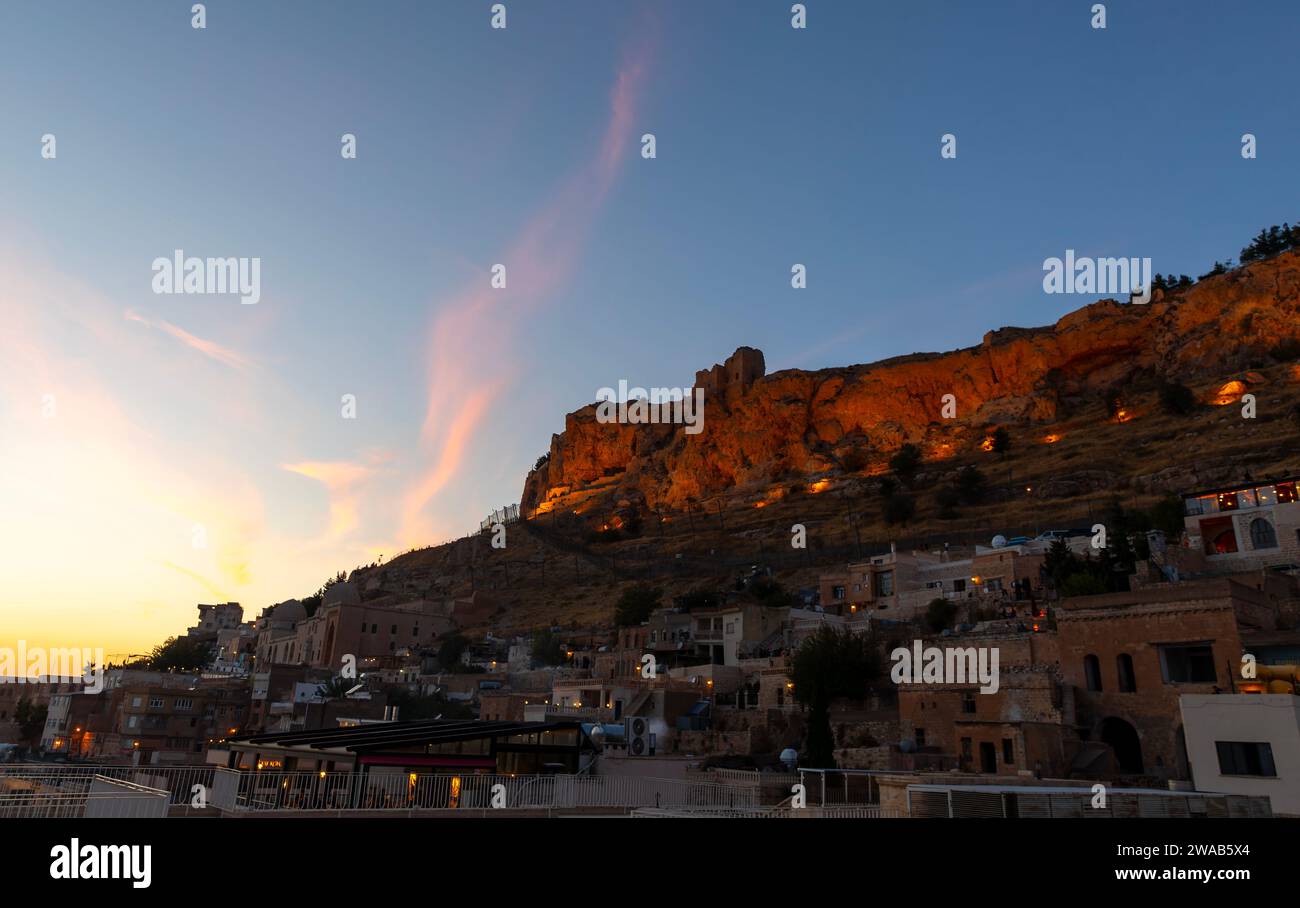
[(999, 541), (789, 757), (907, 745)]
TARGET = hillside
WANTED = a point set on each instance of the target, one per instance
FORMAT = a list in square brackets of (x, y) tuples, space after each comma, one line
[(1080, 401)]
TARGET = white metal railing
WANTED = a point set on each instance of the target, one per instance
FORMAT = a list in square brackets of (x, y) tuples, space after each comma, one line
[(339, 791), (770, 813), (100, 797), (72, 778)]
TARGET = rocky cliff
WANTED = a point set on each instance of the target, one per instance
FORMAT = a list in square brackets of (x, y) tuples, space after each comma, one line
[(758, 428)]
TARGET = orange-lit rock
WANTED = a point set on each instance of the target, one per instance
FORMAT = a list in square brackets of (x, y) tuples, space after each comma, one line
[(1230, 393), (760, 429)]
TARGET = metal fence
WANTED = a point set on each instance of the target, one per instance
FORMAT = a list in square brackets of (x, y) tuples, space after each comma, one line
[(771, 813), (381, 791), (829, 787), (75, 779), (96, 797), (769, 788), (991, 801)]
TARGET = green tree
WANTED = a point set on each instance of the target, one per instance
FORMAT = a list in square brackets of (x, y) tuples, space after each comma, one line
[(1167, 516), (939, 614), (1059, 562), (971, 485), (30, 720), (636, 604), (548, 649), (947, 498), (1083, 583), (905, 462), (1176, 398), (180, 654), (771, 593), (831, 663), (700, 598), (1001, 440), (453, 646)]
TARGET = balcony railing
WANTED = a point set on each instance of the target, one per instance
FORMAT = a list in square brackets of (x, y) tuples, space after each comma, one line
[(76, 780), (375, 791)]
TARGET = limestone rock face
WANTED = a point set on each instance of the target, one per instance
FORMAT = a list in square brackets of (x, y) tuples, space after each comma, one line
[(759, 427)]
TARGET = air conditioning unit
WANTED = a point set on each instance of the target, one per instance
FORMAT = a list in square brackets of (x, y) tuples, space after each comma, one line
[(636, 731)]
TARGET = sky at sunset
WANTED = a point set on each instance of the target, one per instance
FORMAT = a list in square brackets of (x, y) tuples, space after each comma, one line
[(157, 451)]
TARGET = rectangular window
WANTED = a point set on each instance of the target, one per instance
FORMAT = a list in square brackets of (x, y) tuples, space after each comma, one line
[(155, 702), (968, 704), (183, 704), (1286, 493), (1266, 496), (1008, 750), (959, 586), (1190, 664), (1245, 758), (920, 738), (838, 593), (885, 583)]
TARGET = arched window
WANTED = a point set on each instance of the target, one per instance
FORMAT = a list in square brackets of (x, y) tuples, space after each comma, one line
[(1124, 667), (1262, 534), (1092, 672)]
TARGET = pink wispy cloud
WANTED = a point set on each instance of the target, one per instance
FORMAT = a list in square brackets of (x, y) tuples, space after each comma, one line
[(210, 349), (539, 262)]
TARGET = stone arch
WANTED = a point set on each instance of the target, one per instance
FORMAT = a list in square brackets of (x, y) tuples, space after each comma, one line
[(1122, 738)]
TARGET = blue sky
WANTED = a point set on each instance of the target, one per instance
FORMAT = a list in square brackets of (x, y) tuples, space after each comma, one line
[(476, 145)]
